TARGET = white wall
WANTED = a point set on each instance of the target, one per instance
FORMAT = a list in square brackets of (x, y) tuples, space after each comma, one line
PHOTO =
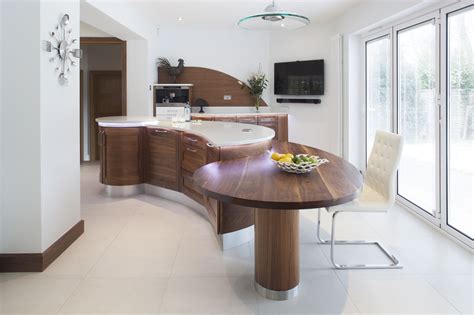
[(1, 140), (139, 78), (87, 30), (316, 125), (123, 22), (21, 172), (40, 131), (362, 18), (60, 174), (237, 53)]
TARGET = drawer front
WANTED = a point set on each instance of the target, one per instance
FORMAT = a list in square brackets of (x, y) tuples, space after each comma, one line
[(207, 118), (247, 119), (162, 158), (267, 119), (161, 133), (225, 118), (121, 156), (193, 158), (190, 191), (192, 140)]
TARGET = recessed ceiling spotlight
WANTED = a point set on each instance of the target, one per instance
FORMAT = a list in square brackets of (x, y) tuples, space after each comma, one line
[(180, 18), (282, 24)]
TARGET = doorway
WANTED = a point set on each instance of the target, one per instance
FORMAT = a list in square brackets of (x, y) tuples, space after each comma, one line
[(103, 87)]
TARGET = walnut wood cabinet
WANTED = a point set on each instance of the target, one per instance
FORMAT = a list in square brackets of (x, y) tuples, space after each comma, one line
[(121, 156), (168, 158), (162, 158)]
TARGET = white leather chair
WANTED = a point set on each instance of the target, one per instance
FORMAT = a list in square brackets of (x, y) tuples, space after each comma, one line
[(377, 195)]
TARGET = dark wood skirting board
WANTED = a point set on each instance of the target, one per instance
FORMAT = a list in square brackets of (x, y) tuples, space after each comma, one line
[(37, 262)]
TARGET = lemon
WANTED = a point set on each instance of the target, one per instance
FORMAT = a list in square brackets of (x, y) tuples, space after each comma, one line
[(289, 155), (285, 159), (276, 156)]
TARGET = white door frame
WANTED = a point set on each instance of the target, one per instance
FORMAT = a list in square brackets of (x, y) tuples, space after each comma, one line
[(444, 113), (434, 17), (374, 36)]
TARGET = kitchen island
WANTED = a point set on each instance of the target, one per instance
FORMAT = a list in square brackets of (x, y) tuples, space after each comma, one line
[(140, 154), (225, 167)]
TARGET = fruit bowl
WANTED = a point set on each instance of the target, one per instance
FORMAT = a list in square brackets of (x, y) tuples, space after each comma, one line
[(300, 163)]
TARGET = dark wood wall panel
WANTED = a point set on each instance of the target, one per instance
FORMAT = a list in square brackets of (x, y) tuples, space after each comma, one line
[(211, 85)]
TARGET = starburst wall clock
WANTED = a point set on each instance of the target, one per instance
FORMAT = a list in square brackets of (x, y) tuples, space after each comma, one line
[(62, 46)]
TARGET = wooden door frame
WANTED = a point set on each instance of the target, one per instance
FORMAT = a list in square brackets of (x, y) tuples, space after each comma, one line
[(92, 111), (81, 114), (123, 60)]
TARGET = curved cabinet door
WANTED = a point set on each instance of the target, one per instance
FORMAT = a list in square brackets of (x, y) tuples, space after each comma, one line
[(162, 158), (121, 156)]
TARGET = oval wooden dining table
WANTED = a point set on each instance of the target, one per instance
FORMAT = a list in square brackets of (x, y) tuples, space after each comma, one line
[(277, 197)]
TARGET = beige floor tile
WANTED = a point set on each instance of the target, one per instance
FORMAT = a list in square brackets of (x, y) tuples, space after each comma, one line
[(35, 293), (214, 295), (96, 295), (203, 257), (397, 294)]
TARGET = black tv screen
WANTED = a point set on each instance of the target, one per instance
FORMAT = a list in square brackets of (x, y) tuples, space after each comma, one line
[(299, 78)]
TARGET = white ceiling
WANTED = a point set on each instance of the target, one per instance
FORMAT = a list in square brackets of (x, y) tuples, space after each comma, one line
[(224, 14)]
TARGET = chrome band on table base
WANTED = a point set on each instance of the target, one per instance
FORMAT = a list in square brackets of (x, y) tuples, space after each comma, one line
[(276, 295), (123, 191)]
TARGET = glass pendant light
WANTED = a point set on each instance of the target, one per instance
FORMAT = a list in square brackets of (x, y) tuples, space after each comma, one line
[(273, 19)]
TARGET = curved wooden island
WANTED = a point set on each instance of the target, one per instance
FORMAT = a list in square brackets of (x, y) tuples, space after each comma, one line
[(140, 154), (255, 181)]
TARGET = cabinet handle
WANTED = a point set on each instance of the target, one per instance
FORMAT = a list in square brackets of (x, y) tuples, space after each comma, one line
[(191, 150), (191, 139), (161, 131), (210, 145), (100, 137)]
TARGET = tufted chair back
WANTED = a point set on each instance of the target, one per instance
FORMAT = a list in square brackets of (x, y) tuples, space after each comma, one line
[(383, 164)]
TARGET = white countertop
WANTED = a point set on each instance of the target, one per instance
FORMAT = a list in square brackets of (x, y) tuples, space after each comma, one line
[(217, 132)]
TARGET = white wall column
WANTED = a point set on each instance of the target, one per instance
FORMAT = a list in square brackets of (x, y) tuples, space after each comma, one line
[(40, 189)]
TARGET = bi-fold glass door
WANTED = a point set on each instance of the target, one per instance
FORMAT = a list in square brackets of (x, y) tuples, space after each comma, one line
[(419, 79), (457, 59), (417, 103)]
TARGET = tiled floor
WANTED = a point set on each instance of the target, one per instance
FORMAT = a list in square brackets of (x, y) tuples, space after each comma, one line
[(150, 255)]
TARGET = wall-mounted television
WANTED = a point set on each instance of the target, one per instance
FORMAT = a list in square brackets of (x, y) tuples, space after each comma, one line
[(299, 78)]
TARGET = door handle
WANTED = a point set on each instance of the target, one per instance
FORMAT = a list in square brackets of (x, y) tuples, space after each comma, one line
[(191, 150)]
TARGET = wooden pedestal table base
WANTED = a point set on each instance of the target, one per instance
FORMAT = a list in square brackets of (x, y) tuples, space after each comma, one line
[(256, 182), (277, 272)]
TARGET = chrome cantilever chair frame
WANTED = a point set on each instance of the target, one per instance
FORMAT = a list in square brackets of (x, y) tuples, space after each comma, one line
[(395, 262)]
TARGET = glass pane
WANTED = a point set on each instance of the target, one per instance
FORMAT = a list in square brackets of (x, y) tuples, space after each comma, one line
[(417, 114), (461, 121), (378, 88)]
